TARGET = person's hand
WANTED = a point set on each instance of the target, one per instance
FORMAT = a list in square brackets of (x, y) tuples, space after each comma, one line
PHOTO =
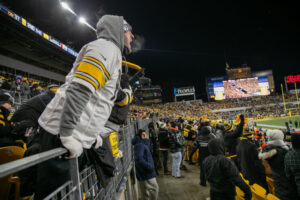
[(73, 145), (99, 142)]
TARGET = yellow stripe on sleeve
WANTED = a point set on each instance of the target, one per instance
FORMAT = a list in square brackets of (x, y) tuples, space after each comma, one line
[(124, 102), (87, 79), (93, 71), (1, 116), (131, 98), (2, 122), (99, 63)]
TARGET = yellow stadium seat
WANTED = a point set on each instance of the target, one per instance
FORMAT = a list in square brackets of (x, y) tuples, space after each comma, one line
[(8, 154), (258, 192), (271, 197), (270, 182), (239, 194)]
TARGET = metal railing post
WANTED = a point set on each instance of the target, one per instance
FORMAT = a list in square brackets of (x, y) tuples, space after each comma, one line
[(75, 178)]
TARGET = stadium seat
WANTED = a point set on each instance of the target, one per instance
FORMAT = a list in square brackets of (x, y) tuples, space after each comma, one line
[(271, 197), (239, 194), (258, 192), (8, 154), (270, 182)]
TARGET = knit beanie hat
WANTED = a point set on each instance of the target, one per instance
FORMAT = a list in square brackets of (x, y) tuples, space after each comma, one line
[(275, 134), (161, 124)]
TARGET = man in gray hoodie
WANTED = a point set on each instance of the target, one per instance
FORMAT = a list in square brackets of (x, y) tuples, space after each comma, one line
[(77, 114)]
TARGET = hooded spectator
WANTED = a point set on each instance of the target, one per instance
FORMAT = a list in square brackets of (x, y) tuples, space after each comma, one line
[(274, 153), (222, 174)]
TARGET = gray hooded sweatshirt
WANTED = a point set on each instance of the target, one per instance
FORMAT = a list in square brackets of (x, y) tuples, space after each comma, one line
[(84, 102)]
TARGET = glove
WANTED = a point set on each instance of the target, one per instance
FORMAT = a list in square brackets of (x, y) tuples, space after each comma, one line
[(22, 125), (124, 81), (99, 142), (73, 145)]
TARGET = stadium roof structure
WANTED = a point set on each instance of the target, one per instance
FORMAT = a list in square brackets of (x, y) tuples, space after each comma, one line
[(27, 48)]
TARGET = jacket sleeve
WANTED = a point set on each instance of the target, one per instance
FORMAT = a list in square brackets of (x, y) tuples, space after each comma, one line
[(234, 176), (139, 158), (237, 132), (77, 97)]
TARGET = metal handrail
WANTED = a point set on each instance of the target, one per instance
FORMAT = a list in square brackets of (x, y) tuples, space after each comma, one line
[(24, 163)]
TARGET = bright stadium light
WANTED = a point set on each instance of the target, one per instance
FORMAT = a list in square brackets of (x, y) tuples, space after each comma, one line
[(83, 21), (67, 7)]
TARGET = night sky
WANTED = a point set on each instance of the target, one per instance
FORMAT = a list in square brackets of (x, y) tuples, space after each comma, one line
[(185, 42)]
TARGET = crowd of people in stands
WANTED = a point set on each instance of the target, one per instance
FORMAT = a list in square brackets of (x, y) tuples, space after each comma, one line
[(21, 88), (255, 107), (229, 155)]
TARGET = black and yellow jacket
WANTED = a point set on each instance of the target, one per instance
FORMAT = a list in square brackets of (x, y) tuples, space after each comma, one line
[(189, 132)]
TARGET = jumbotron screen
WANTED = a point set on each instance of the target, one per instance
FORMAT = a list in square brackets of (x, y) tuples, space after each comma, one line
[(248, 87)]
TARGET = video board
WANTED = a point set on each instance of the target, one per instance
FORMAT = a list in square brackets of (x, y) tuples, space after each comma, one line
[(240, 88)]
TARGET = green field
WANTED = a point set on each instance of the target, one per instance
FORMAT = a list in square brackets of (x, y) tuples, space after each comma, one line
[(277, 122)]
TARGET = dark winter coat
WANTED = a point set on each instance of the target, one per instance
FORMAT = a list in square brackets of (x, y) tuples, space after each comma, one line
[(231, 139), (33, 108), (163, 138), (144, 164), (250, 165), (275, 157), (292, 164), (202, 141), (222, 174)]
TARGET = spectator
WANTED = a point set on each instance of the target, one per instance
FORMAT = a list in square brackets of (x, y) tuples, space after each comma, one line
[(145, 170), (201, 143), (176, 144), (292, 164), (82, 105), (189, 134), (8, 130), (164, 145), (274, 152), (6, 85), (251, 167), (222, 174)]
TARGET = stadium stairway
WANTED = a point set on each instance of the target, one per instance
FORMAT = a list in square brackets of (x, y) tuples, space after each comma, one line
[(182, 188)]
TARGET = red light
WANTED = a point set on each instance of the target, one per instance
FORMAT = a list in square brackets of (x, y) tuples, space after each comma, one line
[(293, 79)]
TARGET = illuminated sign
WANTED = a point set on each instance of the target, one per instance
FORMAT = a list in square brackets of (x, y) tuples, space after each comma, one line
[(293, 79), (184, 91), (36, 30)]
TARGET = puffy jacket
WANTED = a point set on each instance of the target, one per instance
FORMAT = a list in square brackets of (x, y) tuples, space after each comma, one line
[(222, 174), (144, 164), (275, 156), (83, 104)]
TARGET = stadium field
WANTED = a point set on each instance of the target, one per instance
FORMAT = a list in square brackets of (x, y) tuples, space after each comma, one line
[(277, 122)]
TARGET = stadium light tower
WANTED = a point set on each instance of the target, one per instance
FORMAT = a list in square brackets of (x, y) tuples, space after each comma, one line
[(83, 21), (67, 7)]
